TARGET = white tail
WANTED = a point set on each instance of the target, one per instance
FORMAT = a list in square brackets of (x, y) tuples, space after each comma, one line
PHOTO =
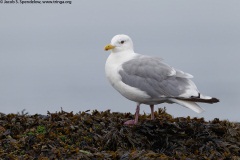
[(191, 105)]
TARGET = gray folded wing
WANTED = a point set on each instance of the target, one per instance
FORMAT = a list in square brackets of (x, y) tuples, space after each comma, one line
[(156, 78)]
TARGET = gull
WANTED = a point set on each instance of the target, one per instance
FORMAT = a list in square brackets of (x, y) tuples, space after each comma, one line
[(148, 80)]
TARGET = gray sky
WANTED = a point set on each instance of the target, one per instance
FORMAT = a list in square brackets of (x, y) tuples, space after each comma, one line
[(52, 56)]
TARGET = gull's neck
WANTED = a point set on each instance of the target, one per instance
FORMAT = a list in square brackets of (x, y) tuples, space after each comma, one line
[(118, 58)]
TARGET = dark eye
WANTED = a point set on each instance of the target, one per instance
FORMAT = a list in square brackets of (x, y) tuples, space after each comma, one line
[(122, 42)]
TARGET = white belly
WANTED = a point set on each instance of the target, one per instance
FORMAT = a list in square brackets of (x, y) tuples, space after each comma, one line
[(112, 68)]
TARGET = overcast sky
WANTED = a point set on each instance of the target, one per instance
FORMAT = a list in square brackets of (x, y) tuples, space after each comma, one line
[(52, 56)]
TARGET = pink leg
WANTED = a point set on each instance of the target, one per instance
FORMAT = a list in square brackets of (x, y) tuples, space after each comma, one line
[(134, 121), (152, 111)]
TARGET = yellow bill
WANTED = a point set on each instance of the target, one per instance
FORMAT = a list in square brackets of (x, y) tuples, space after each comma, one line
[(108, 47)]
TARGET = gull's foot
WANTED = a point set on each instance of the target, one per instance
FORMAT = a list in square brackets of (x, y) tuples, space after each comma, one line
[(130, 122)]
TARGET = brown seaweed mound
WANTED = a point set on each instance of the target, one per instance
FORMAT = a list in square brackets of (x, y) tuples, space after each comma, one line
[(102, 135)]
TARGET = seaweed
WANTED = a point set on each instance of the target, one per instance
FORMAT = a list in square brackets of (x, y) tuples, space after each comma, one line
[(102, 135)]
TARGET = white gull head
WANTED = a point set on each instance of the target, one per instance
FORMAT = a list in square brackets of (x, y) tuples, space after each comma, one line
[(120, 43)]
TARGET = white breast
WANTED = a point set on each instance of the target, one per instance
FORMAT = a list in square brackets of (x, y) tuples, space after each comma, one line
[(112, 68)]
